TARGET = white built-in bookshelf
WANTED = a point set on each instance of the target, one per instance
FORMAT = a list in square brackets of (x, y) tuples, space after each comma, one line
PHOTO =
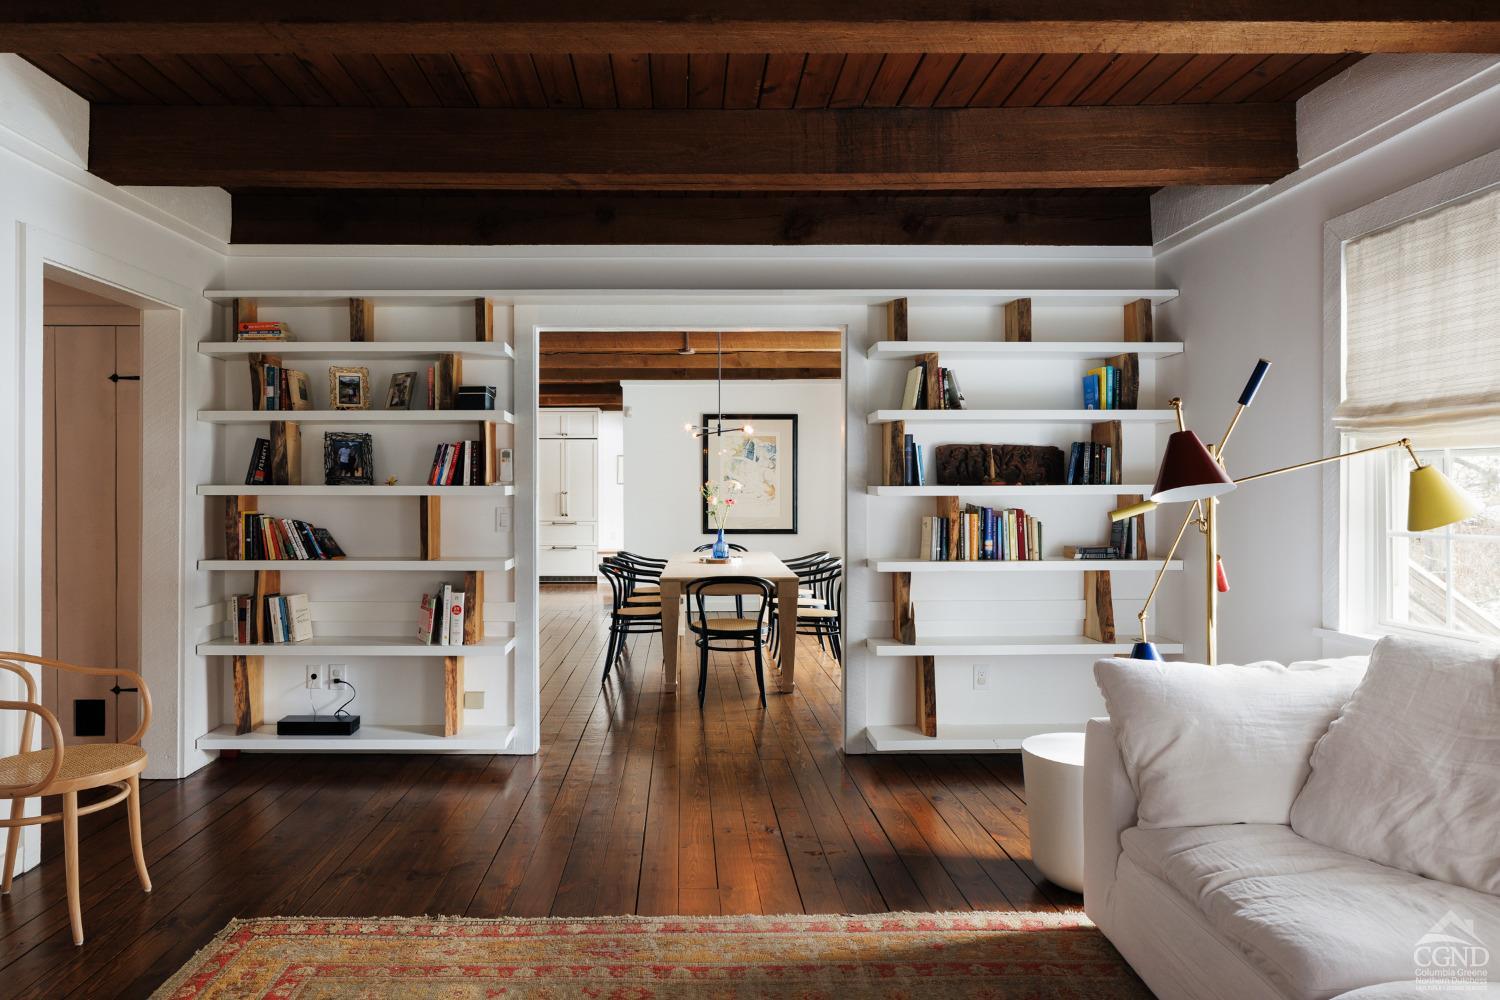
[(412, 696), (1028, 631)]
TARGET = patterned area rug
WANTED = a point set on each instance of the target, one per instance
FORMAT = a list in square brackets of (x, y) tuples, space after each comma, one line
[(933, 956)]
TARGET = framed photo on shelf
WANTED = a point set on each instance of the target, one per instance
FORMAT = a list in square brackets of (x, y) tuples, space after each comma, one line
[(348, 459), (349, 388), (398, 397), (763, 463)]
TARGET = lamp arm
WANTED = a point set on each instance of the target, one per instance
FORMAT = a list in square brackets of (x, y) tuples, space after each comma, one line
[(1194, 514), (1401, 443)]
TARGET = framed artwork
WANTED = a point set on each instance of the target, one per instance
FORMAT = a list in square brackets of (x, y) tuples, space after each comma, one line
[(348, 459), (763, 463), (398, 397), (349, 388)]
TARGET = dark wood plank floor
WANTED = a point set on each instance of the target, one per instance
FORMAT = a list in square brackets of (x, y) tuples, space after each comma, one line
[(638, 803)]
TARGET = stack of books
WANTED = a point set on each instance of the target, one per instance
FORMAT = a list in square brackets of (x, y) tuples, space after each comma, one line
[(915, 395), (273, 387), (1101, 389), (1124, 543), (1091, 464), (262, 536), (915, 473), (440, 619), (458, 463), (288, 618), (274, 330), (982, 534)]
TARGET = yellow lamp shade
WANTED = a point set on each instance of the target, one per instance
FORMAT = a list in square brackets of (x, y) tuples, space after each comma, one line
[(1433, 501)]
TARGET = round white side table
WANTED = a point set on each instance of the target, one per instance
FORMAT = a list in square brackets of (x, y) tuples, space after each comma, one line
[(1052, 764)]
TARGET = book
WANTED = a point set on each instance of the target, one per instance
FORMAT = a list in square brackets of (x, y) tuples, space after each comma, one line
[(913, 390), (926, 546), (1089, 552), (910, 478), (262, 330), (431, 387), (272, 382), (299, 613), (921, 468), (456, 618), (425, 620), (445, 599), (1091, 392), (958, 394), (273, 617), (327, 544), (260, 463), (1075, 463)]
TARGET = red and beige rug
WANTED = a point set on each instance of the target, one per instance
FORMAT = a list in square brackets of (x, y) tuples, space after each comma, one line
[(934, 956)]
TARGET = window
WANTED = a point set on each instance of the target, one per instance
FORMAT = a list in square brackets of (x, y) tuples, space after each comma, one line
[(1421, 359)]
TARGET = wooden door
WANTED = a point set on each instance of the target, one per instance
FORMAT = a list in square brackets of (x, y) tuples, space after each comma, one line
[(91, 523), (581, 478)]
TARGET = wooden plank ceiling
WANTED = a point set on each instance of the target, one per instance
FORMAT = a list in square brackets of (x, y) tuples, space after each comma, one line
[(585, 368), (891, 121)]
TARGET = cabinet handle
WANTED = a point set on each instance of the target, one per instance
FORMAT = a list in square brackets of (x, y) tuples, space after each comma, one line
[(566, 547)]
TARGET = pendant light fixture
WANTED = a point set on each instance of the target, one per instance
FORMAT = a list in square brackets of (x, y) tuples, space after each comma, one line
[(717, 427)]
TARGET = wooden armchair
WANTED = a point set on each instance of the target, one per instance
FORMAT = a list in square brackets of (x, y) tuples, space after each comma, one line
[(66, 771)]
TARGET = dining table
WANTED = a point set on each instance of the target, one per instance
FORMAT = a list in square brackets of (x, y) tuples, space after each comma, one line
[(684, 567)]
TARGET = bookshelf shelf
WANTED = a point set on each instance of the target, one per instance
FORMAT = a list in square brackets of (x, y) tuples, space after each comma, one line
[(369, 738), (1018, 566), (899, 739), (350, 645), (987, 350), (1010, 645), (1011, 492), (373, 350), (357, 416), (357, 565), (1021, 416), (352, 492)]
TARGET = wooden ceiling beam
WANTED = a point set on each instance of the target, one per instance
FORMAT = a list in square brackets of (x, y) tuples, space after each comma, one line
[(480, 218), (891, 149), (669, 341), (675, 26)]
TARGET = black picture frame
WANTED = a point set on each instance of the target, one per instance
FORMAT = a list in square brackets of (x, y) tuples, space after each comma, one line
[(736, 420), (348, 459)]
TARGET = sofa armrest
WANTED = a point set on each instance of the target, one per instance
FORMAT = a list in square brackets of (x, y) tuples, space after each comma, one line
[(1109, 806)]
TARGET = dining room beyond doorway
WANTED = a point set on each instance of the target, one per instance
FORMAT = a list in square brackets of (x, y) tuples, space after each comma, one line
[(693, 482)]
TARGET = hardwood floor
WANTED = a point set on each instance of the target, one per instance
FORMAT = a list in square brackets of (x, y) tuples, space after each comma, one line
[(638, 803)]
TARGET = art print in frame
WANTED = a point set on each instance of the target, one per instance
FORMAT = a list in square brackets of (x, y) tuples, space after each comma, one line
[(348, 388), (348, 459), (403, 386), (763, 463)]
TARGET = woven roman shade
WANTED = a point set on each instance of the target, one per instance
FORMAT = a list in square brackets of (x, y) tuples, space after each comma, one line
[(1422, 322)]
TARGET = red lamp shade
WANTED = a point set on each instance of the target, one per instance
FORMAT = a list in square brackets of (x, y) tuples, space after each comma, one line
[(1189, 472)]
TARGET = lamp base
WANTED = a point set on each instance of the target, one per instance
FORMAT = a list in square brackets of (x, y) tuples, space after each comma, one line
[(1144, 651)]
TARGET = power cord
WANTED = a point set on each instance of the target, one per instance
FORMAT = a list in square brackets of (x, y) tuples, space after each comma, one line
[(339, 712)]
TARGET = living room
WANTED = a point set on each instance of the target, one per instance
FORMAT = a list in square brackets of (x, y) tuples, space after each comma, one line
[(1138, 628)]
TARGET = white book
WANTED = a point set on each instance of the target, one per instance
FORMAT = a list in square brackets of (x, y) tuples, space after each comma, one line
[(456, 619), (300, 627), (273, 618), (444, 601)]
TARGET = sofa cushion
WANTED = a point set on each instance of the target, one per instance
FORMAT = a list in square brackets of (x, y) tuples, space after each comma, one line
[(1409, 773), (1227, 744), (1412, 989), (1315, 921)]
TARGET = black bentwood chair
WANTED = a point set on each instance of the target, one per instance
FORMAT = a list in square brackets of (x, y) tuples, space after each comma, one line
[(728, 635), (818, 615), (626, 617)]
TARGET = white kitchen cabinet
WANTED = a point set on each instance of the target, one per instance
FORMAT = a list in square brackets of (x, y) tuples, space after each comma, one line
[(557, 423), (567, 493)]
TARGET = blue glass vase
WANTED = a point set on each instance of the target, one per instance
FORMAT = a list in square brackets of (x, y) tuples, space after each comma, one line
[(721, 547)]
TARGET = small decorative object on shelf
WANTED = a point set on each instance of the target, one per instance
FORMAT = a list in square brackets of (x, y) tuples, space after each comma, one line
[(719, 505), (348, 459), (252, 330), (348, 388), (476, 397), (999, 465), (391, 481), (403, 388)]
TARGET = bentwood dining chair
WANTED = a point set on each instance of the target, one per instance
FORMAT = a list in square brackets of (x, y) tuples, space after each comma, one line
[(68, 770), (818, 605), (728, 635), (629, 614)]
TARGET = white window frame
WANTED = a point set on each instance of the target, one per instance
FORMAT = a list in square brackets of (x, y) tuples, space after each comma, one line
[(1356, 493)]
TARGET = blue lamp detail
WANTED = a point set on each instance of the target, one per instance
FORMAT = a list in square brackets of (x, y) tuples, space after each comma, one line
[(1144, 650)]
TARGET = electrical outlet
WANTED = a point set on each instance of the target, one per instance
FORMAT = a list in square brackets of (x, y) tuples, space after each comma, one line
[(337, 673), (315, 676), (502, 518), (473, 699), (981, 677)]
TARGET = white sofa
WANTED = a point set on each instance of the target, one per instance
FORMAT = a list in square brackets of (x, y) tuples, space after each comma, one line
[(1249, 910)]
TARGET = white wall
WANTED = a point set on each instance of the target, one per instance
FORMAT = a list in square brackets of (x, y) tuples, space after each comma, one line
[(611, 490), (1252, 286), (664, 467)]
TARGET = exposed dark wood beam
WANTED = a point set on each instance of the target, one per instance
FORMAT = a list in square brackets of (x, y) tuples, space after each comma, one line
[(893, 149), (606, 396), (670, 341), (625, 371), (693, 26), (478, 218)]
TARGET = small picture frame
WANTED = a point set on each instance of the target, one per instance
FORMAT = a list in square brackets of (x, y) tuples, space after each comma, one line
[(349, 388), (348, 459), (399, 396)]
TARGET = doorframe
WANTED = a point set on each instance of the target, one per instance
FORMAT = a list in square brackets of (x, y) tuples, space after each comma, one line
[(709, 311), (165, 308)]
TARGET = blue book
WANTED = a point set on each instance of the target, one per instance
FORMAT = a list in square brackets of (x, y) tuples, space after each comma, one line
[(1075, 459), (921, 469), (1091, 392)]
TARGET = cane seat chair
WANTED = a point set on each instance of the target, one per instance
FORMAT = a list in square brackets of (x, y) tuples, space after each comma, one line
[(66, 771), (737, 634)]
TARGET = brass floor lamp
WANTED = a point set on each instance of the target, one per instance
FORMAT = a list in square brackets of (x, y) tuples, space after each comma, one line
[(1192, 472)]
